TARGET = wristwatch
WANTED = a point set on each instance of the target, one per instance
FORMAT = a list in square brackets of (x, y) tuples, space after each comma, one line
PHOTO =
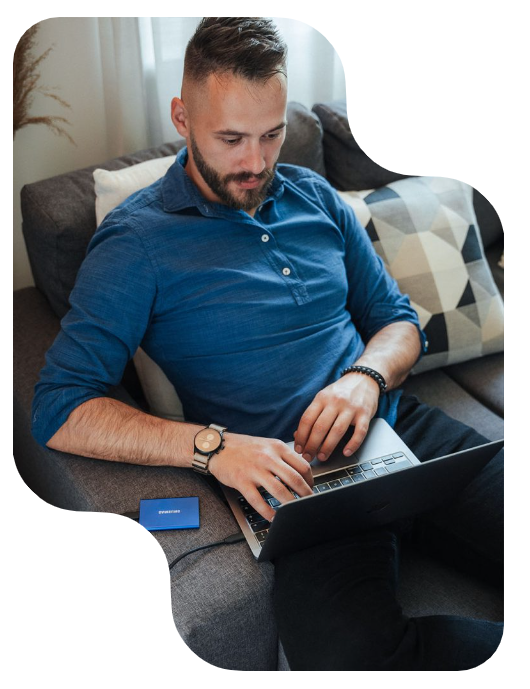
[(207, 442)]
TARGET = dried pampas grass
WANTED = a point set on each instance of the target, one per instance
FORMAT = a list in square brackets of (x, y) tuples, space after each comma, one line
[(25, 85)]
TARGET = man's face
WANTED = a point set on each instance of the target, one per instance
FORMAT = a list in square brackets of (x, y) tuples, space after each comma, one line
[(235, 132)]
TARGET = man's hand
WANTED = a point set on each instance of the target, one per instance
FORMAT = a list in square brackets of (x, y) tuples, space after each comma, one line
[(248, 462), (350, 401)]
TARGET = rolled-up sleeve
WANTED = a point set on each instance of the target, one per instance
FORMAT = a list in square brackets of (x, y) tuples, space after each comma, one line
[(111, 305), (374, 299)]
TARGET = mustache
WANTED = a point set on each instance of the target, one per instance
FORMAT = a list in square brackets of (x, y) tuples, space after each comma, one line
[(266, 174)]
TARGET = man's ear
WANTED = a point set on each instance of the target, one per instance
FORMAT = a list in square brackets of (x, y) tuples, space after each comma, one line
[(179, 117)]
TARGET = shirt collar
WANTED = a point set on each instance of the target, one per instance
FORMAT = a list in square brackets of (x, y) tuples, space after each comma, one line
[(179, 192)]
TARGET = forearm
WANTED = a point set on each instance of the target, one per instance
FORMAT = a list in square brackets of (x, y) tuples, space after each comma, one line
[(104, 428), (392, 352)]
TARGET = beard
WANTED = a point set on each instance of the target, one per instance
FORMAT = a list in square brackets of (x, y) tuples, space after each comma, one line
[(248, 199)]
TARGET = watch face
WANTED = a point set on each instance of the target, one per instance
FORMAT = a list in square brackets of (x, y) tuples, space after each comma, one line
[(208, 440)]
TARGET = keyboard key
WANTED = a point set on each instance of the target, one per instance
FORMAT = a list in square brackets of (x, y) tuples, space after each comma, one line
[(335, 484), (366, 466), (380, 471), (346, 481), (261, 536), (315, 489), (354, 470), (260, 526), (369, 474), (398, 466), (377, 461), (323, 487), (273, 502), (253, 517), (389, 461), (397, 455), (358, 478)]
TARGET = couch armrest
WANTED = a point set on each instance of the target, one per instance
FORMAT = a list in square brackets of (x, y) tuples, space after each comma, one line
[(221, 597)]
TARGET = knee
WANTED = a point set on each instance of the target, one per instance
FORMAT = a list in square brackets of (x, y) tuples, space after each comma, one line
[(350, 643)]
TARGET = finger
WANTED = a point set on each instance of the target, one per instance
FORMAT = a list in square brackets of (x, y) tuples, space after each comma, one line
[(305, 425), (255, 500), (275, 486), (362, 424), (320, 429), (339, 428), (296, 473)]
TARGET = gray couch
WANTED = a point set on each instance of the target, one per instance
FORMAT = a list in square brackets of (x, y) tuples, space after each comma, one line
[(221, 597)]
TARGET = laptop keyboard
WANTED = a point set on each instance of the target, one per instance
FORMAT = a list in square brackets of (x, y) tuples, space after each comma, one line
[(356, 473)]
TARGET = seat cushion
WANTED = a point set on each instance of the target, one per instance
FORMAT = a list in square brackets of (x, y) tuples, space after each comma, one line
[(484, 379), (439, 390)]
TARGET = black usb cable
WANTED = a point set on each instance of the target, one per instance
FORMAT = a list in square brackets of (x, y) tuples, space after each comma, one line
[(234, 538)]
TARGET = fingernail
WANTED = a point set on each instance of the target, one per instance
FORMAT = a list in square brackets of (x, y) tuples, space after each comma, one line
[(321, 456), (348, 453), (298, 448), (307, 457)]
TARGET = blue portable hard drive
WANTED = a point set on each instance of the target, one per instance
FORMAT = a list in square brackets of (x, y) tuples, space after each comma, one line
[(169, 513)]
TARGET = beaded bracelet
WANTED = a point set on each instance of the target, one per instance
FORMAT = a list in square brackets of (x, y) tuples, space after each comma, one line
[(368, 372)]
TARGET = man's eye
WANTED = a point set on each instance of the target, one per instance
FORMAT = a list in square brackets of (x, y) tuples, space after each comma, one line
[(230, 142)]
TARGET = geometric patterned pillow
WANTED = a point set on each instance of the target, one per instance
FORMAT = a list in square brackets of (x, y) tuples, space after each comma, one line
[(425, 230)]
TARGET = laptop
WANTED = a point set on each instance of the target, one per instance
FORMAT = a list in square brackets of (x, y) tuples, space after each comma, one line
[(382, 482)]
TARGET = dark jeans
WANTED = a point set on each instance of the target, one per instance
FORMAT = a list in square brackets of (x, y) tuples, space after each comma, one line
[(335, 604)]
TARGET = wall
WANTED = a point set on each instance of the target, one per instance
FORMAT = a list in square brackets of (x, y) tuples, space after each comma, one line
[(39, 153)]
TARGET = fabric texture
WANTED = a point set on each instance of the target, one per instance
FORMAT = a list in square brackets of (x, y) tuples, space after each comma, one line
[(347, 165), (112, 187), (182, 277), (425, 230)]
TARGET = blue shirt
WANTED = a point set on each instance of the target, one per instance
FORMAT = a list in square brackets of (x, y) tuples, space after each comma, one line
[(248, 317)]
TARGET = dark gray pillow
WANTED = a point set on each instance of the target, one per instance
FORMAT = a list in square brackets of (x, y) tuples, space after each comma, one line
[(59, 216), (348, 168)]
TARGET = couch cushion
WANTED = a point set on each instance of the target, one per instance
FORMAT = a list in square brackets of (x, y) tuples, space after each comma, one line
[(425, 230), (114, 186), (484, 379), (59, 215), (438, 389), (59, 219), (348, 167)]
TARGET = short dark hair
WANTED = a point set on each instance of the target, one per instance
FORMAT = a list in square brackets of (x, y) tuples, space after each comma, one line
[(249, 47)]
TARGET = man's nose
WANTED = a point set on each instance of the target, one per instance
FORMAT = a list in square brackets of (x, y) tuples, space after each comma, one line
[(253, 159)]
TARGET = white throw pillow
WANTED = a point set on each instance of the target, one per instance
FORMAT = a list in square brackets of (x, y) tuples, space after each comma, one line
[(112, 188)]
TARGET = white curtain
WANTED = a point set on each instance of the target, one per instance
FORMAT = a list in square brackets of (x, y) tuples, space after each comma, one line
[(142, 63)]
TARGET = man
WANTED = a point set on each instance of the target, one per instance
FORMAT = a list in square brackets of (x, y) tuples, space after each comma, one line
[(256, 290)]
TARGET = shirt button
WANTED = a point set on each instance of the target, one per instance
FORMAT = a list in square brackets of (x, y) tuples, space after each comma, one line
[(265, 237), (286, 271)]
